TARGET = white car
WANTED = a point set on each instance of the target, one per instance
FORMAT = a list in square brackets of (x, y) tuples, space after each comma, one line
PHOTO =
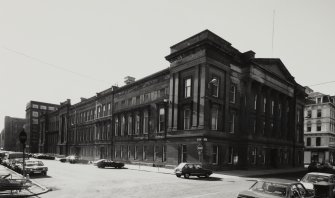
[(314, 177), (33, 167)]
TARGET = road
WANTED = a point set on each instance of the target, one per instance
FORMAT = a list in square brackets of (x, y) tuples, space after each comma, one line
[(80, 180)]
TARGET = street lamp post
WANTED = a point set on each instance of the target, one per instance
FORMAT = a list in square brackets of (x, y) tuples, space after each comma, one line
[(23, 139)]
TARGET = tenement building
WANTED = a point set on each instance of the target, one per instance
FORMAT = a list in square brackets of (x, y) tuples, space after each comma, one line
[(10, 134), (213, 104), (319, 133)]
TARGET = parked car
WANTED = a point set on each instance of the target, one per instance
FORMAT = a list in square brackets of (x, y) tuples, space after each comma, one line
[(191, 169), (314, 177), (109, 163), (95, 163), (33, 167), (44, 156), (276, 188), (72, 159), (320, 167)]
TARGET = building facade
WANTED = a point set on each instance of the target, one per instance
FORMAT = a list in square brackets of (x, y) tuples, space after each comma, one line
[(34, 110), (10, 134), (213, 104), (319, 131)]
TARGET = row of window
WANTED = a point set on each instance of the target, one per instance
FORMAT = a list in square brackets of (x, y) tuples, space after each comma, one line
[(140, 152), (137, 123), (43, 107), (144, 98), (318, 113), (101, 109), (317, 141), (272, 105), (214, 85)]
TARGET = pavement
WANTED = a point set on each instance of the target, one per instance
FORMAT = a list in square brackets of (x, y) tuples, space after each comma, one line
[(231, 174), (34, 190)]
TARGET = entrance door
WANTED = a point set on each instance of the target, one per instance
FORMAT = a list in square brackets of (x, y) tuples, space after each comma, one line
[(273, 158)]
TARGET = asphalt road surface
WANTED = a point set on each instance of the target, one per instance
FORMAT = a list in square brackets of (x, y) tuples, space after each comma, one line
[(80, 180)]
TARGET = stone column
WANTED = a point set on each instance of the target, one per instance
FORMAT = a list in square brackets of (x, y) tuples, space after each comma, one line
[(195, 98)]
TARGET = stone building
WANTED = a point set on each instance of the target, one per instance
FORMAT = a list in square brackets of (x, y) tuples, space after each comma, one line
[(10, 134), (319, 131), (213, 104)]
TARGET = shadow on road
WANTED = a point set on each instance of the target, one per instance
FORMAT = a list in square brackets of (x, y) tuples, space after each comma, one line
[(205, 179), (39, 176)]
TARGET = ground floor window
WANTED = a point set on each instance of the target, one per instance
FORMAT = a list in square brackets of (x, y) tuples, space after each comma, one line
[(184, 153), (164, 153), (215, 155), (230, 155)]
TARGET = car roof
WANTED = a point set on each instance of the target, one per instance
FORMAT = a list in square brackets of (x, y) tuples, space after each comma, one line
[(279, 181), (318, 173)]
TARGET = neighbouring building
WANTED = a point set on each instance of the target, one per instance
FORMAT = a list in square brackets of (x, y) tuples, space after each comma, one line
[(213, 104), (10, 134), (34, 110), (2, 139), (319, 132)]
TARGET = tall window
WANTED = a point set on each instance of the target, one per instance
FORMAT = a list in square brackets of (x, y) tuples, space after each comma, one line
[(123, 125), (232, 122), (109, 109), (187, 87), (272, 107), (318, 125), (121, 151), (264, 104), (254, 155), (215, 155), (161, 119), (187, 118), (308, 143), (146, 122), (319, 113), (263, 156), (232, 93), (130, 124), (279, 110), (155, 152), (309, 114), (215, 86), (254, 126), (214, 117), (263, 131), (135, 152), (128, 152), (230, 155), (104, 110), (144, 154), (309, 126), (164, 153), (137, 124), (255, 102), (116, 126), (184, 153), (318, 141), (318, 100)]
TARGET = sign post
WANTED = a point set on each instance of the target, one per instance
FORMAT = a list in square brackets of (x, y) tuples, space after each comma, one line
[(23, 139)]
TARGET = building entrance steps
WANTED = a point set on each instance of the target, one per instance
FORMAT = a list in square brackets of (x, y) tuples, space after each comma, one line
[(34, 190), (237, 174)]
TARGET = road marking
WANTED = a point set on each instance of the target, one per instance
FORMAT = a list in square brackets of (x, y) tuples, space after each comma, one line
[(205, 194)]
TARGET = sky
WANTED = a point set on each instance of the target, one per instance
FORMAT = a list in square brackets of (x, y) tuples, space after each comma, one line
[(51, 51)]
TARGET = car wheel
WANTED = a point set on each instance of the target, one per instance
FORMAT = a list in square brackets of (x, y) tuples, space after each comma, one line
[(206, 175), (45, 173), (187, 175), (178, 175)]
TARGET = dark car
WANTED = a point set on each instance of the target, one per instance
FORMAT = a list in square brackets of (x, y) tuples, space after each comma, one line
[(109, 163), (320, 167), (191, 169), (276, 188)]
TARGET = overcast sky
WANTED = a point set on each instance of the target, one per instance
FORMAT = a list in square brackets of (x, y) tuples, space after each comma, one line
[(54, 50)]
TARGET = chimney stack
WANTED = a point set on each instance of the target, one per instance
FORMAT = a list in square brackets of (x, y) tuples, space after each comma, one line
[(128, 80)]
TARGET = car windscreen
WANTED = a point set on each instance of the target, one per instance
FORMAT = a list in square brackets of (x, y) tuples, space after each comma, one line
[(270, 189), (311, 178)]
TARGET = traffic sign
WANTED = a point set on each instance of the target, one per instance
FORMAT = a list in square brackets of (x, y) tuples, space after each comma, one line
[(23, 137)]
